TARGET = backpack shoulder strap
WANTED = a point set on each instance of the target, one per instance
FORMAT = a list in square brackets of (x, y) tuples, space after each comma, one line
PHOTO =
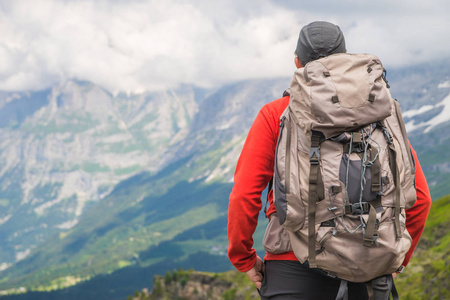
[(269, 187)]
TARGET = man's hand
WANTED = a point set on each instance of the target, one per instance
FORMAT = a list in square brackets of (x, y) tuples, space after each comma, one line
[(394, 275), (256, 273)]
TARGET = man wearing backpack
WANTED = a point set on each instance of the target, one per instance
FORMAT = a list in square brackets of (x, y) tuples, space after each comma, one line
[(286, 272)]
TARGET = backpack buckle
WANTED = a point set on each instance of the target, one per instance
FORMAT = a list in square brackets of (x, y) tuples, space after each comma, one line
[(358, 208), (358, 147), (400, 269), (314, 155)]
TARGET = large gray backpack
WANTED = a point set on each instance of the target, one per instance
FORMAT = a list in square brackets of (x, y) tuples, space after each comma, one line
[(344, 171)]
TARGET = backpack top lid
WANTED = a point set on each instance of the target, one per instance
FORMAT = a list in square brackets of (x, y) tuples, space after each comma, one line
[(341, 92)]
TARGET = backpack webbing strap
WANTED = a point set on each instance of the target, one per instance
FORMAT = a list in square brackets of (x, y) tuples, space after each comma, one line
[(397, 208), (314, 157), (287, 176), (343, 291), (320, 188), (369, 287), (375, 169), (396, 174), (363, 207), (357, 208), (371, 235), (394, 289)]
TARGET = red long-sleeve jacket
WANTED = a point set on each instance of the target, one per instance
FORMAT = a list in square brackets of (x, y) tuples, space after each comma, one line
[(253, 172)]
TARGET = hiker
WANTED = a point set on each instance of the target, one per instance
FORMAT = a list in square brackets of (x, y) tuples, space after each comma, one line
[(281, 275)]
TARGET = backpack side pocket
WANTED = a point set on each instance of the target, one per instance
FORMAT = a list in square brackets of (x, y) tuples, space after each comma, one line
[(290, 209), (276, 239)]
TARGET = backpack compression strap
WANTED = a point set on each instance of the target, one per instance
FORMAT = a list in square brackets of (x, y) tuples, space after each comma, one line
[(314, 173), (396, 174)]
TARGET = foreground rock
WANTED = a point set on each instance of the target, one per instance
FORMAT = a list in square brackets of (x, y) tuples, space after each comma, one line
[(190, 285)]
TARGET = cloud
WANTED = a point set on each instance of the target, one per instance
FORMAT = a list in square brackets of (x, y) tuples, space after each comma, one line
[(147, 45), (403, 40)]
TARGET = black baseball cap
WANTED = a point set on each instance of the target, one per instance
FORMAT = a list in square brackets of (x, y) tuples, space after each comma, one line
[(319, 39)]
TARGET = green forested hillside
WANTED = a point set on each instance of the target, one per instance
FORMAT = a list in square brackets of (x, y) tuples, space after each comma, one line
[(153, 233), (428, 273)]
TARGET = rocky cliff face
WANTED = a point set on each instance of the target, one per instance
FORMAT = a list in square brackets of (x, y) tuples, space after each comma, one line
[(65, 148), (191, 285)]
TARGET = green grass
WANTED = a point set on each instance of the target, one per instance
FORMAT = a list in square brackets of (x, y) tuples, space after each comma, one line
[(60, 283), (428, 274)]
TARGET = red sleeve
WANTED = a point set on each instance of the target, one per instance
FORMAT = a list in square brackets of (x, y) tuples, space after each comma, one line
[(417, 215), (253, 172)]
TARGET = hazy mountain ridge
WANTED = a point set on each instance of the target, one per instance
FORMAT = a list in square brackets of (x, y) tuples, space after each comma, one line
[(73, 148), (423, 91), (172, 154), (224, 118)]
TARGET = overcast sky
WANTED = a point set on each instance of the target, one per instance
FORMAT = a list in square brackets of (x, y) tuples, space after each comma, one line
[(130, 45)]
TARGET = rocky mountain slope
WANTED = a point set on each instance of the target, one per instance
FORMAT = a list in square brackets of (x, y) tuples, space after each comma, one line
[(191, 285), (175, 172), (66, 148)]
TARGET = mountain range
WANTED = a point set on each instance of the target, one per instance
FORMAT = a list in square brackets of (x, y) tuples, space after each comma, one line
[(100, 189)]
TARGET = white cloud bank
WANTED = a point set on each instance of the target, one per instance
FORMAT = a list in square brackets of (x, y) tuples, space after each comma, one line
[(147, 45)]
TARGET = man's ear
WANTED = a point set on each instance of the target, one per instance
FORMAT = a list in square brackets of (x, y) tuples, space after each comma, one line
[(298, 63)]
